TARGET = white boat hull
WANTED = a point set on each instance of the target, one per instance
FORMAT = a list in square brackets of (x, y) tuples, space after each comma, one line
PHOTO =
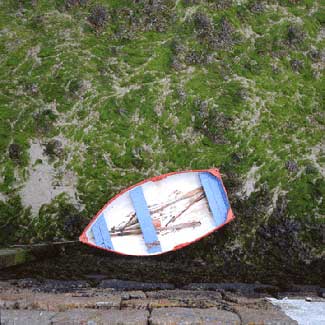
[(179, 210)]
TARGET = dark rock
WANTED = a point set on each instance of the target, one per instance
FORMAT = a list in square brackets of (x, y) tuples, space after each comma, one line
[(282, 245), (176, 64), (73, 3), (203, 108), (315, 55), (295, 290), (211, 122), (73, 225), (280, 207), (54, 148), (137, 157), (95, 277), (32, 89), (224, 38), (204, 286), (284, 227), (27, 283), (15, 152), (178, 50), (122, 111), (242, 94), (195, 57), (191, 2), (223, 4), (181, 93), (134, 285), (157, 15), (295, 35), (98, 16), (296, 65), (236, 157), (267, 290), (246, 289), (178, 47), (291, 166), (257, 7), (321, 292), (60, 286), (133, 295), (216, 39), (203, 24)]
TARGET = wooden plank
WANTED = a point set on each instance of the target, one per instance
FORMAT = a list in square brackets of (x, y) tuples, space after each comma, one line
[(214, 197), (143, 215), (14, 256), (20, 254), (101, 233)]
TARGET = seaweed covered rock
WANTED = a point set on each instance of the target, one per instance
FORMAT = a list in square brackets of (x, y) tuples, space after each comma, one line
[(257, 7), (203, 25), (54, 148), (141, 88), (98, 16), (58, 220), (295, 35), (15, 152), (73, 3)]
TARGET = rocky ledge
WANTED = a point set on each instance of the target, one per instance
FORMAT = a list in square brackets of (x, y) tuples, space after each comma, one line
[(31, 301)]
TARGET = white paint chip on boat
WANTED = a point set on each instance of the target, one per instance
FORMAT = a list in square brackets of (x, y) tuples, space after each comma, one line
[(304, 312)]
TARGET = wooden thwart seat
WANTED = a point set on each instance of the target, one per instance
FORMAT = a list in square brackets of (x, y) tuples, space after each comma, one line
[(101, 233), (145, 220), (216, 197)]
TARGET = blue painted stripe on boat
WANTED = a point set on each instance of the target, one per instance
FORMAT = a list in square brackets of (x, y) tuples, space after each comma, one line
[(214, 196), (101, 233), (214, 182), (209, 192), (143, 215), (224, 196)]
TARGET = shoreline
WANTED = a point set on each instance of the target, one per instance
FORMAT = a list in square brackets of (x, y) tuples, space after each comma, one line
[(112, 301)]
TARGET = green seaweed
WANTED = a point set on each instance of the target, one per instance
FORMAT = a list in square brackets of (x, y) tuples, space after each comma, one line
[(126, 112)]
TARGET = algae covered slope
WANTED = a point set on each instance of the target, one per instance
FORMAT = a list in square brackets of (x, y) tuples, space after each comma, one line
[(97, 95)]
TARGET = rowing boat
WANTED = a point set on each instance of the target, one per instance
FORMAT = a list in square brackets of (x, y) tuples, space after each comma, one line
[(161, 214)]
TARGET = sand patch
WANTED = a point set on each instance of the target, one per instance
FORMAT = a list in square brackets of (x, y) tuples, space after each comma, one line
[(249, 185), (45, 182), (3, 197)]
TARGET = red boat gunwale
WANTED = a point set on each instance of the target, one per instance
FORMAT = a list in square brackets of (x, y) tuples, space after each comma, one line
[(214, 171)]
